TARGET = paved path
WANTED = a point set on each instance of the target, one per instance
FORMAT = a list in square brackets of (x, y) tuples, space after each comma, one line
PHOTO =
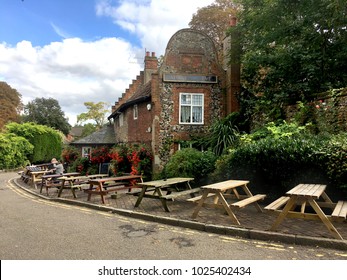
[(254, 225)]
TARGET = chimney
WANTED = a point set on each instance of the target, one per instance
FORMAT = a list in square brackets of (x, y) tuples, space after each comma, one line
[(151, 66)]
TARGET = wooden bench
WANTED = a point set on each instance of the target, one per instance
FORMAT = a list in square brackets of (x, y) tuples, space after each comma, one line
[(340, 210), (174, 195), (137, 193), (197, 198), (277, 204), (249, 200), (108, 189), (25, 175)]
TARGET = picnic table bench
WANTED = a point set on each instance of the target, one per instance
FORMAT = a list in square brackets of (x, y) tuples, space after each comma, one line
[(76, 182), (154, 189), (106, 185), (222, 191), (50, 180), (294, 205), (32, 175)]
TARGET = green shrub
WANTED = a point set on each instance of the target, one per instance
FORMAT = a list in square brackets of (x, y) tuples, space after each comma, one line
[(70, 154), (190, 162), (223, 134), (81, 165), (47, 142), (274, 165), (281, 129), (14, 151), (333, 158)]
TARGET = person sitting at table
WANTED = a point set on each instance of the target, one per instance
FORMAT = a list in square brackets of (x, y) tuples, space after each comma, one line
[(58, 167)]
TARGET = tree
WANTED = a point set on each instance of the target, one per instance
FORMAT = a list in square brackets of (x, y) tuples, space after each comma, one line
[(214, 20), (96, 112), (10, 104), (46, 111), (292, 49), (14, 151)]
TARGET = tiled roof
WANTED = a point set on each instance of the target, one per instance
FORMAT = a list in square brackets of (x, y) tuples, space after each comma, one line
[(143, 93), (104, 136)]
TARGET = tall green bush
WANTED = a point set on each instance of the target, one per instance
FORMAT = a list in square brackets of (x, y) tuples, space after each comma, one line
[(333, 159), (190, 162), (273, 165), (47, 142), (14, 151)]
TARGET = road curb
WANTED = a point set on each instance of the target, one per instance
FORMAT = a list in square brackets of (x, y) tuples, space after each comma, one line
[(211, 228)]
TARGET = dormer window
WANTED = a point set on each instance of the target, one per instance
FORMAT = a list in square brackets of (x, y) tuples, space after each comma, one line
[(191, 108)]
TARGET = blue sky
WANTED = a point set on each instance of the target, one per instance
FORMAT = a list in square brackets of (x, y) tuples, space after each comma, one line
[(84, 50), (42, 22)]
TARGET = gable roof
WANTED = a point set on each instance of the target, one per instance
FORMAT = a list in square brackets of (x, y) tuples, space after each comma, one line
[(104, 136), (143, 93)]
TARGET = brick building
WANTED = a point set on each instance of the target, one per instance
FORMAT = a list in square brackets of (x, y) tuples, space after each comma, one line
[(183, 96)]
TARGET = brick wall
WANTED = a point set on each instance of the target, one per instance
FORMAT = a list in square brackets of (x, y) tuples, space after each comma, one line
[(188, 52)]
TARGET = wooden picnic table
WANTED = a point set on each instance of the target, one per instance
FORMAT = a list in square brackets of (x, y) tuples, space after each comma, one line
[(103, 186), (76, 182), (304, 195), (154, 189), (221, 191), (49, 180), (35, 177), (32, 174)]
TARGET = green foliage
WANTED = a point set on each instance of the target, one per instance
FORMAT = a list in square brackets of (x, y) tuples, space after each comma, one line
[(276, 164), (82, 165), (326, 112), (10, 104), (333, 158), (47, 142), (14, 151), (223, 134), (282, 129), (96, 112), (291, 49), (46, 111), (190, 162), (70, 154)]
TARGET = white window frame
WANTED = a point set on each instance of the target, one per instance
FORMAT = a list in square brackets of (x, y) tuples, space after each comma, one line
[(191, 108), (136, 112), (86, 151)]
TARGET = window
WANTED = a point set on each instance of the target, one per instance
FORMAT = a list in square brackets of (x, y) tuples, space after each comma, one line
[(190, 144), (121, 119), (86, 152), (136, 113), (191, 108)]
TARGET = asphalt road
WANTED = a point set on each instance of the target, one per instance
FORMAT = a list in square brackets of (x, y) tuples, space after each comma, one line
[(36, 229)]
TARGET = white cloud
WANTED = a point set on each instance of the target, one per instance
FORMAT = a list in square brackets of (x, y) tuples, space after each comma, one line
[(74, 71), (59, 31), (71, 71), (153, 21)]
